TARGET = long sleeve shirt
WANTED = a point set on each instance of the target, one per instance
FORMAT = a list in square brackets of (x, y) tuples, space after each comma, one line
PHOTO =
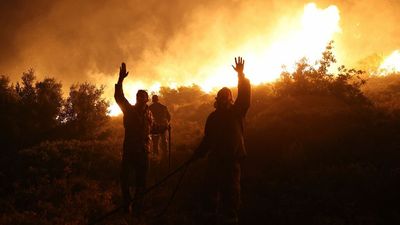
[(223, 133), (137, 123)]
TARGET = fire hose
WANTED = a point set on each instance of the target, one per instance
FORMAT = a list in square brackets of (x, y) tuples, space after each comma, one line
[(183, 167)]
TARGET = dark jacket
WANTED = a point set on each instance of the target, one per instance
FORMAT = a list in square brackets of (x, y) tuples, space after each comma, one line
[(160, 113), (138, 124), (223, 134)]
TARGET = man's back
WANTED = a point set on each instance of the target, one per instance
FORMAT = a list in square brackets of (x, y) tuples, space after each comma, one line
[(223, 140), (224, 127), (160, 113)]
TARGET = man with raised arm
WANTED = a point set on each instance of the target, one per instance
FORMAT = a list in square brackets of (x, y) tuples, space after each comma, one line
[(224, 145), (138, 123)]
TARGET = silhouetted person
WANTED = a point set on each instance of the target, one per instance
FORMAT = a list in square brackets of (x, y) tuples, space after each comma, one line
[(162, 118), (223, 141), (138, 123)]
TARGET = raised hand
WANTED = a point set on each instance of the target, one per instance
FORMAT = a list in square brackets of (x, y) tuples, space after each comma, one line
[(122, 71), (239, 62)]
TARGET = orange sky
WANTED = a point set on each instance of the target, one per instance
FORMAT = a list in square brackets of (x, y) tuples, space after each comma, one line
[(173, 42)]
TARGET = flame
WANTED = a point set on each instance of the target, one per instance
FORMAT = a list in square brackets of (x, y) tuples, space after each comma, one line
[(114, 110), (305, 35), (391, 64)]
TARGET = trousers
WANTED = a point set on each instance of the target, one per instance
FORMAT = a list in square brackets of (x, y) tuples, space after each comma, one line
[(160, 144), (135, 162), (222, 191)]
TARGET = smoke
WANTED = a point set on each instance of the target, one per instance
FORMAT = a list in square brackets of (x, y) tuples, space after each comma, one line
[(174, 42), (369, 27), (70, 38)]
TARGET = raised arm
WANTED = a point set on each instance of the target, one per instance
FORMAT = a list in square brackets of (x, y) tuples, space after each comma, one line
[(242, 102), (119, 96)]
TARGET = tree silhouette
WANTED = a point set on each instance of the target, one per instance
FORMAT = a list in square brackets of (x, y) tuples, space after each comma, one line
[(318, 80), (48, 102), (8, 111), (85, 111)]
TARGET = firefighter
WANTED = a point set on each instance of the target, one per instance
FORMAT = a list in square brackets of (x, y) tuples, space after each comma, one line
[(223, 143), (162, 118), (138, 123)]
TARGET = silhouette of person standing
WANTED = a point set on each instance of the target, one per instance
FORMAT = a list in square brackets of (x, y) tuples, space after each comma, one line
[(162, 118), (224, 145), (138, 122)]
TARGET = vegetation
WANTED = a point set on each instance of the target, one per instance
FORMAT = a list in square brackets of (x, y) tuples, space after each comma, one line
[(34, 111), (323, 148)]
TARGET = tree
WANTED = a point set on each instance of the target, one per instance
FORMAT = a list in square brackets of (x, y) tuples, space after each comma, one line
[(8, 111), (27, 90), (29, 111), (317, 80), (48, 102), (27, 114), (39, 106), (85, 111)]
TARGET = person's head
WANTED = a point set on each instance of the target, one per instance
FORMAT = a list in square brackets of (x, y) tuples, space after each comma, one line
[(224, 98), (154, 98), (142, 97)]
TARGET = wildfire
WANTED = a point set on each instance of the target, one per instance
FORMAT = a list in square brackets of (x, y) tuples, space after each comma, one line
[(305, 35), (391, 64), (114, 110)]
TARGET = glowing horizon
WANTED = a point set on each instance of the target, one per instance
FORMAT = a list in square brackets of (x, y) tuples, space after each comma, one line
[(305, 35), (391, 64)]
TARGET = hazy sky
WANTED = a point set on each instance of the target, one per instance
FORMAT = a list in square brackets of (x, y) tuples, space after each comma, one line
[(77, 41)]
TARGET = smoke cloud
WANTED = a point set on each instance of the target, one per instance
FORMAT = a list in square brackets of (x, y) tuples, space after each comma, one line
[(173, 42)]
